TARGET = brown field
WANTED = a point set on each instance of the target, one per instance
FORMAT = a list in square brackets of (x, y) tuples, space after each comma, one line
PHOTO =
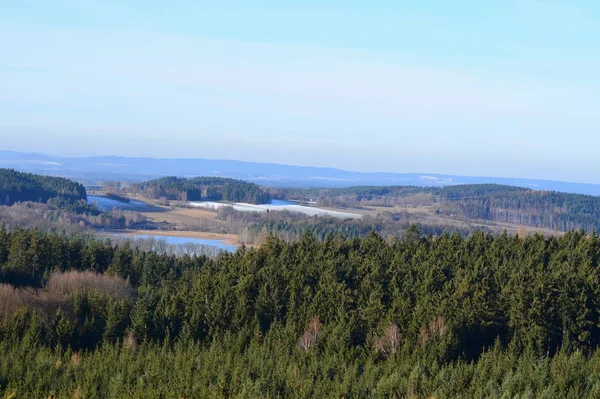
[(181, 216), (187, 222), (427, 215)]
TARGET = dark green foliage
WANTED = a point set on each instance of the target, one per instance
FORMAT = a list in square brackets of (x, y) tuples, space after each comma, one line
[(18, 187), (267, 369), (374, 192), (293, 228), (203, 189), (552, 210), (448, 316)]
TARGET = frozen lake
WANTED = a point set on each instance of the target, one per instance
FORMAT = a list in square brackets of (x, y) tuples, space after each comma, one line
[(278, 205)]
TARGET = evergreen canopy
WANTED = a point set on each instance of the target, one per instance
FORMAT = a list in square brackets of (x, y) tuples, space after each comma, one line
[(18, 187), (203, 189)]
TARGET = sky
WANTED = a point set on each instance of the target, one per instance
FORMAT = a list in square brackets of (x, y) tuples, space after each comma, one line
[(483, 88)]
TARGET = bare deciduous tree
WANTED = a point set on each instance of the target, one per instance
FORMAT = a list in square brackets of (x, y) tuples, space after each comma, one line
[(437, 327), (309, 338), (75, 281), (389, 342)]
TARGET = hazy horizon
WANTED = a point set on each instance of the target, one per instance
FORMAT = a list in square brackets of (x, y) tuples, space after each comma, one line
[(467, 89), (423, 173)]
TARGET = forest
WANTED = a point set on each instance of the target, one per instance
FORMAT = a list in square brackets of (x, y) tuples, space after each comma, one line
[(541, 209), (202, 189), (423, 316), (20, 187), (55, 203)]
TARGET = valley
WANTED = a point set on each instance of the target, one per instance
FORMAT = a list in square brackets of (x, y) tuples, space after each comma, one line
[(236, 223)]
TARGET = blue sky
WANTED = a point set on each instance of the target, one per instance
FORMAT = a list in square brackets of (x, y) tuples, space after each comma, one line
[(496, 88)]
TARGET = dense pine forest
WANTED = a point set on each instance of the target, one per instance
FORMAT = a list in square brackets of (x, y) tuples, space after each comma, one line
[(541, 209), (202, 189), (446, 316), (20, 187)]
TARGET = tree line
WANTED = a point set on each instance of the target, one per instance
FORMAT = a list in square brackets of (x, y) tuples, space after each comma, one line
[(202, 189), (476, 316), (19, 187), (499, 203)]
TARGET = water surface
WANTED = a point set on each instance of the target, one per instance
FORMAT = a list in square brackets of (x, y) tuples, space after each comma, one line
[(277, 202), (172, 240)]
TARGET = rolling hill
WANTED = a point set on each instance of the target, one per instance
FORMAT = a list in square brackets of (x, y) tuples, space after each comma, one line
[(94, 169)]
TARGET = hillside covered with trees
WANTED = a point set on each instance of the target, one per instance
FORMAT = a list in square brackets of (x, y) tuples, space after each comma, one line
[(55, 203), (202, 189), (20, 187), (448, 316), (541, 209)]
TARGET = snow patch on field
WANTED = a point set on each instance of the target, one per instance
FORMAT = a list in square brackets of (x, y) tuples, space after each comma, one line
[(307, 210)]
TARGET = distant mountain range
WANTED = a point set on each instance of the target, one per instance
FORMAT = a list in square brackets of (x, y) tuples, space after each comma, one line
[(92, 170)]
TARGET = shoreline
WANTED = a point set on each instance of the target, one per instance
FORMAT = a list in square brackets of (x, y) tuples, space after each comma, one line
[(229, 239)]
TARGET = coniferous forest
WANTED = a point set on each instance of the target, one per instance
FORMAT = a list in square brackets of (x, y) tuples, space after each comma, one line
[(18, 187), (423, 316), (202, 189), (299, 199)]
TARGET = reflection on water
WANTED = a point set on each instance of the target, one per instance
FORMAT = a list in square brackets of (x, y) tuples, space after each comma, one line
[(171, 240), (188, 245)]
